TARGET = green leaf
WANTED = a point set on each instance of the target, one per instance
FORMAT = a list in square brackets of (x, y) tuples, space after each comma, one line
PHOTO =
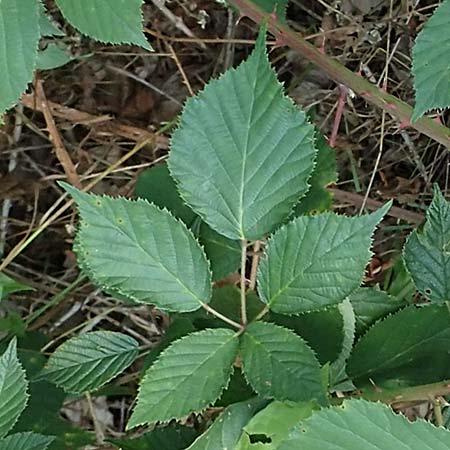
[(238, 390), (42, 414), (316, 261), (52, 57), (430, 66), (19, 35), (371, 304), (12, 323), (86, 362), (26, 441), (359, 424), (157, 186), (322, 330), (427, 253), (141, 252), (278, 364), (224, 433), (224, 254), (243, 152), (110, 21), (188, 376), (318, 198), (338, 367), (270, 427), (179, 327), (8, 286), (172, 437), (409, 347), (398, 283), (13, 388)]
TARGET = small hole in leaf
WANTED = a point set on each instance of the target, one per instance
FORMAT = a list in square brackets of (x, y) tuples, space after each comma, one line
[(120, 220), (98, 203), (262, 438), (428, 291)]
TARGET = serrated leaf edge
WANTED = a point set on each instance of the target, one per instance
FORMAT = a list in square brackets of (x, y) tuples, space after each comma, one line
[(83, 222), (297, 336), (162, 354)]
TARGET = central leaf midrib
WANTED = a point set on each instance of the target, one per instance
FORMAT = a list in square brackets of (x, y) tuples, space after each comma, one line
[(244, 155)]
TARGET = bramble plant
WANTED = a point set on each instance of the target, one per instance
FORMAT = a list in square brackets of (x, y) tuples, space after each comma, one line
[(246, 169)]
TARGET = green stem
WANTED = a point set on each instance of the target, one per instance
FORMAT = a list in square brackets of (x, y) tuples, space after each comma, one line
[(221, 316), (339, 73), (262, 313), (243, 282)]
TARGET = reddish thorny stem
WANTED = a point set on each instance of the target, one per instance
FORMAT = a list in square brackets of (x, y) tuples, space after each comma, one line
[(339, 73)]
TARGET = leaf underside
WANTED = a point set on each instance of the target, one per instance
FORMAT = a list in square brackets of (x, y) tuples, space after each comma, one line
[(13, 389), (141, 252), (359, 424), (427, 253), (86, 362), (110, 21), (278, 364), (430, 67), (19, 36), (316, 261), (408, 347), (243, 153), (188, 376)]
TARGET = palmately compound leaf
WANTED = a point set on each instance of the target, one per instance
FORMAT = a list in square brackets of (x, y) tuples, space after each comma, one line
[(13, 388), (19, 36), (271, 426), (224, 433), (278, 364), (316, 261), (110, 21), (409, 347), (358, 424), (430, 68), (86, 362), (243, 152), (427, 253), (26, 441), (188, 376), (141, 252)]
